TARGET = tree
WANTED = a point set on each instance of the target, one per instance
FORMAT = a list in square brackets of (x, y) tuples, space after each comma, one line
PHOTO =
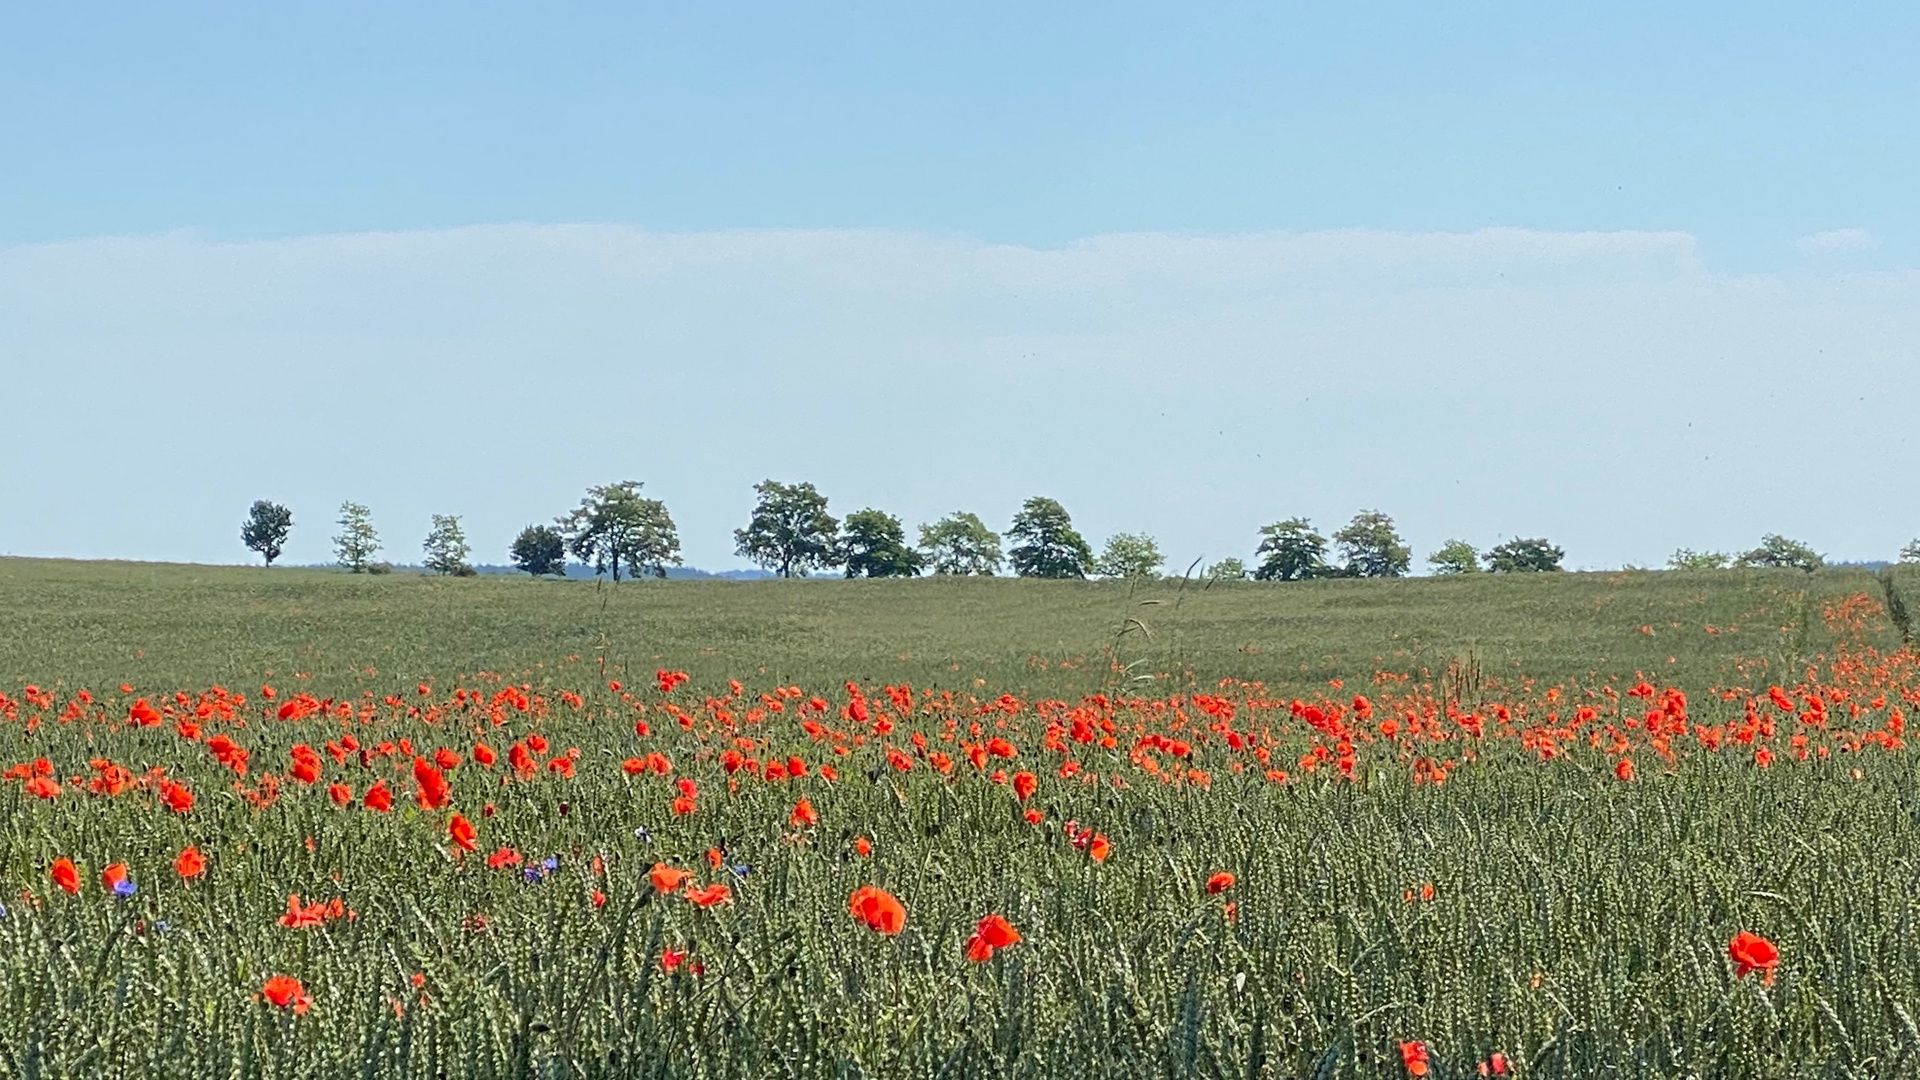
[(1291, 551), (1689, 559), (540, 550), (1371, 547), (266, 528), (1778, 552), (357, 543), (1048, 545), (873, 544), (447, 547), (1455, 557), (961, 543), (1129, 555), (1227, 569), (614, 523), (790, 531), (1524, 556), (1911, 553)]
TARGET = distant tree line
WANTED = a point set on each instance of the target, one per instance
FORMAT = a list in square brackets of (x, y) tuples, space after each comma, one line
[(791, 533)]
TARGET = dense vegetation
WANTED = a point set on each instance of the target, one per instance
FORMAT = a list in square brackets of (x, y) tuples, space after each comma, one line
[(1338, 827)]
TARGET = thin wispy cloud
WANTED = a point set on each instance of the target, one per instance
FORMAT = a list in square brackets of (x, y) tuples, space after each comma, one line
[(1602, 388)]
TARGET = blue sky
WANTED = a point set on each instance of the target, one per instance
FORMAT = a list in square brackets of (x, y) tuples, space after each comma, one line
[(230, 205)]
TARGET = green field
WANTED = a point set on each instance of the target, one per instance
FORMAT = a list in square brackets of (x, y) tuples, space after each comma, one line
[(1539, 903), (180, 626)]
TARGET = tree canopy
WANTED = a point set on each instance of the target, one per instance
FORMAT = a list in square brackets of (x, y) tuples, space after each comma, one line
[(1048, 546), (1778, 552), (1371, 547), (873, 544), (1291, 551), (540, 550), (1455, 557), (790, 532), (1129, 555), (1529, 555), (614, 523), (446, 547), (266, 529), (961, 543), (357, 543)]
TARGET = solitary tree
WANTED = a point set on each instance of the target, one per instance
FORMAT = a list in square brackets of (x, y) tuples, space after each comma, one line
[(961, 543), (447, 547), (1227, 569), (1048, 546), (1129, 555), (357, 543), (1778, 552), (1911, 553), (616, 524), (1371, 547), (1689, 559), (540, 550), (1455, 557), (1291, 551), (1524, 556), (873, 543), (266, 528), (790, 531)]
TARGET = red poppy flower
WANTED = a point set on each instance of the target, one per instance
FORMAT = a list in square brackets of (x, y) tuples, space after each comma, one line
[(1414, 1056), (1219, 883), (879, 909), (707, 897), (1100, 848), (341, 794), (190, 864), (503, 858), (65, 875), (434, 791), (1024, 785), (668, 879), (993, 932), (803, 814), (462, 832), (862, 846), (113, 875), (1751, 953), (176, 797), (1624, 769), (285, 992), (41, 787), (378, 797)]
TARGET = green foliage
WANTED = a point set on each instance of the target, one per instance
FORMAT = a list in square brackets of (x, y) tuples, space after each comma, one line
[(1046, 544), (540, 550), (1455, 557), (1778, 552), (1689, 559), (1603, 955), (357, 542), (446, 547), (1130, 555), (1524, 556), (790, 531), (1291, 551), (1371, 547), (961, 544), (873, 544), (614, 523), (266, 528), (1911, 553), (1227, 569)]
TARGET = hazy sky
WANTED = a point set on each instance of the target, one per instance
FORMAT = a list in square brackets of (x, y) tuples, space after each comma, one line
[(1631, 279)]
